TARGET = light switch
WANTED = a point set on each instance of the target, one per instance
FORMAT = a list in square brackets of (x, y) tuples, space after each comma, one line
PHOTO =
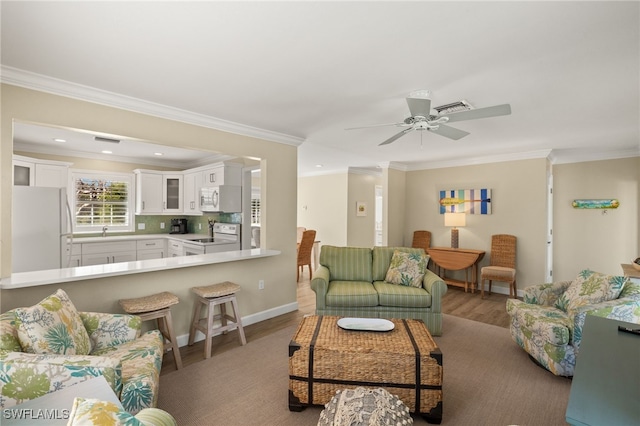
[(141, 226)]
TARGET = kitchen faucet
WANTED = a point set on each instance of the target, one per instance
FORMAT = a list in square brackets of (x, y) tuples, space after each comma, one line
[(211, 225), (104, 231)]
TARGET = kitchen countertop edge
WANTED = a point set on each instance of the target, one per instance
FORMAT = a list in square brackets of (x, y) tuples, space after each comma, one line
[(81, 273)]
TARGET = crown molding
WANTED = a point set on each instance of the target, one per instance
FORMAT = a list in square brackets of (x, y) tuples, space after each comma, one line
[(581, 156), (365, 171), (29, 80)]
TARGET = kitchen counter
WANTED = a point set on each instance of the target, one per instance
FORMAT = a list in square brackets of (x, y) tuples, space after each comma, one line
[(65, 275), (181, 237)]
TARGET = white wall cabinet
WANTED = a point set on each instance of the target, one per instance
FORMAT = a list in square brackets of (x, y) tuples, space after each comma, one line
[(158, 192), (172, 190), (222, 175), (35, 172), (192, 184), (148, 192)]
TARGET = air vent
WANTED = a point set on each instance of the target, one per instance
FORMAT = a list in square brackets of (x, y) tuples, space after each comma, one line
[(453, 107), (101, 139)]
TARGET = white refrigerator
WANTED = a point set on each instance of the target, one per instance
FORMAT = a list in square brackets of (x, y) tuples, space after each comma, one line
[(41, 228)]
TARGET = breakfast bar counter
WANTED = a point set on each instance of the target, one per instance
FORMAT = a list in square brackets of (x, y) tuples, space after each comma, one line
[(81, 273)]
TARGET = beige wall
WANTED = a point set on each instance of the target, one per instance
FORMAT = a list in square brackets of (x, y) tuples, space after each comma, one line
[(518, 207), (394, 193), (322, 205), (594, 239), (360, 229), (582, 238), (279, 167)]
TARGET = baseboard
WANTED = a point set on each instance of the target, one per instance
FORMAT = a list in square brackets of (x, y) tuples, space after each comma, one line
[(183, 339), (500, 290)]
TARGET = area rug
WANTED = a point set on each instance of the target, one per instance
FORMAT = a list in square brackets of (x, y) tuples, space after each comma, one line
[(488, 380)]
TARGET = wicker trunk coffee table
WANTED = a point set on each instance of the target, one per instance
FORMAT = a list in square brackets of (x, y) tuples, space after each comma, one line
[(324, 358)]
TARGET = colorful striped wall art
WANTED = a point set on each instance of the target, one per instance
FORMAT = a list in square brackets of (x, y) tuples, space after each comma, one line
[(469, 201)]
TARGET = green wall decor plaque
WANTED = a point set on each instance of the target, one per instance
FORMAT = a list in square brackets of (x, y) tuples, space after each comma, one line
[(595, 204)]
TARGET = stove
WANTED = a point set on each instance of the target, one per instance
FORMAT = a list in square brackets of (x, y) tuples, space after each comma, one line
[(226, 237)]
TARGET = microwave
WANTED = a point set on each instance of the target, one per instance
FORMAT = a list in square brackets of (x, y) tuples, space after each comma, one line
[(223, 198)]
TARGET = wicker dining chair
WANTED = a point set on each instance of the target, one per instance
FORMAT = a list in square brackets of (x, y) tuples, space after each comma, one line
[(421, 239), (304, 252), (502, 265)]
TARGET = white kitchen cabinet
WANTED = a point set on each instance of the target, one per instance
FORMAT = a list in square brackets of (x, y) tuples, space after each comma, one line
[(222, 175), (172, 190), (175, 248), (158, 192), (72, 252), (108, 252), (151, 249), (148, 192), (36, 172), (192, 183), (52, 175)]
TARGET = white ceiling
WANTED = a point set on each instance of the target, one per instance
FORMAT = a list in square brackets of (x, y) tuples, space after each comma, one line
[(301, 72)]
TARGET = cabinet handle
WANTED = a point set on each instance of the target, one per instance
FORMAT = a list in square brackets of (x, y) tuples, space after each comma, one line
[(143, 205)]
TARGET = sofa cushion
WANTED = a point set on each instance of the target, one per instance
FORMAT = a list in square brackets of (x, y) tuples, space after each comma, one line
[(89, 411), (9, 333), (381, 258), (589, 288), (351, 294), (406, 269), (347, 263), (402, 296), (53, 326)]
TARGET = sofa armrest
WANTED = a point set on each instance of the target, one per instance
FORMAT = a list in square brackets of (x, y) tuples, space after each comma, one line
[(26, 376), (545, 294), (436, 287), (622, 309), (110, 329), (320, 284)]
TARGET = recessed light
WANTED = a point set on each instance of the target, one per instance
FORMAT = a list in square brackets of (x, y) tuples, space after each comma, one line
[(59, 140), (107, 152), (159, 154), (319, 165)]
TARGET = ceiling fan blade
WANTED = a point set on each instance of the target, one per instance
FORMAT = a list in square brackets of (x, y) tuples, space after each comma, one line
[(396, 136), (493, 111), (449, 132), (376, 125), (419, 106)]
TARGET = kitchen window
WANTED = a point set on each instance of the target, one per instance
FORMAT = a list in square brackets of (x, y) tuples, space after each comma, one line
[(102, 200)]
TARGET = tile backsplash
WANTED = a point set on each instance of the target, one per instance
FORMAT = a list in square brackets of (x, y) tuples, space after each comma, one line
[(195, 224)]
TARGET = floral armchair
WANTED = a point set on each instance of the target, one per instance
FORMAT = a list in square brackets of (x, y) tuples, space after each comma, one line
[(548, 321), (51, 346)]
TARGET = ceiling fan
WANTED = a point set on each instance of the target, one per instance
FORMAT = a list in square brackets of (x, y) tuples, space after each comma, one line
[(423, 118)]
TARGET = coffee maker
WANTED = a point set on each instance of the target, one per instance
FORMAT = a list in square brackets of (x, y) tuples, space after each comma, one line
[(178, 226)]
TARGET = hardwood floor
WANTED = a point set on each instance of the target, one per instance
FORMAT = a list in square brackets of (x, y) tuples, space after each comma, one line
[(490, 310)]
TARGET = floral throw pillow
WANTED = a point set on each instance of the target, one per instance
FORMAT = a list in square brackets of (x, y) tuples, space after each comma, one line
[(406, 269), (588, 288), (53, 326), (103, 413)]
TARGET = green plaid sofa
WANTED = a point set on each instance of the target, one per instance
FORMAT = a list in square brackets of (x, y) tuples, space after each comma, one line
[(129, 361), (550, 330), (350, 281)]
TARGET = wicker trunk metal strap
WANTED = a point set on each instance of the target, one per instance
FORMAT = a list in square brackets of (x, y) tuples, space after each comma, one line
[(417, 350), (311, 347)]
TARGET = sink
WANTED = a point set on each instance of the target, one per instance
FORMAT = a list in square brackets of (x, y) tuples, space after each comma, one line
[(203, 240)]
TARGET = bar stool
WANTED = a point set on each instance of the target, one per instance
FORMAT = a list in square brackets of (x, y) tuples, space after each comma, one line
[(210, 296), (157, 307)]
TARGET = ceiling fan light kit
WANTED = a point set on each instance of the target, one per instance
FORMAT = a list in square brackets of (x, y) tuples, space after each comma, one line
[(421, 118)]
